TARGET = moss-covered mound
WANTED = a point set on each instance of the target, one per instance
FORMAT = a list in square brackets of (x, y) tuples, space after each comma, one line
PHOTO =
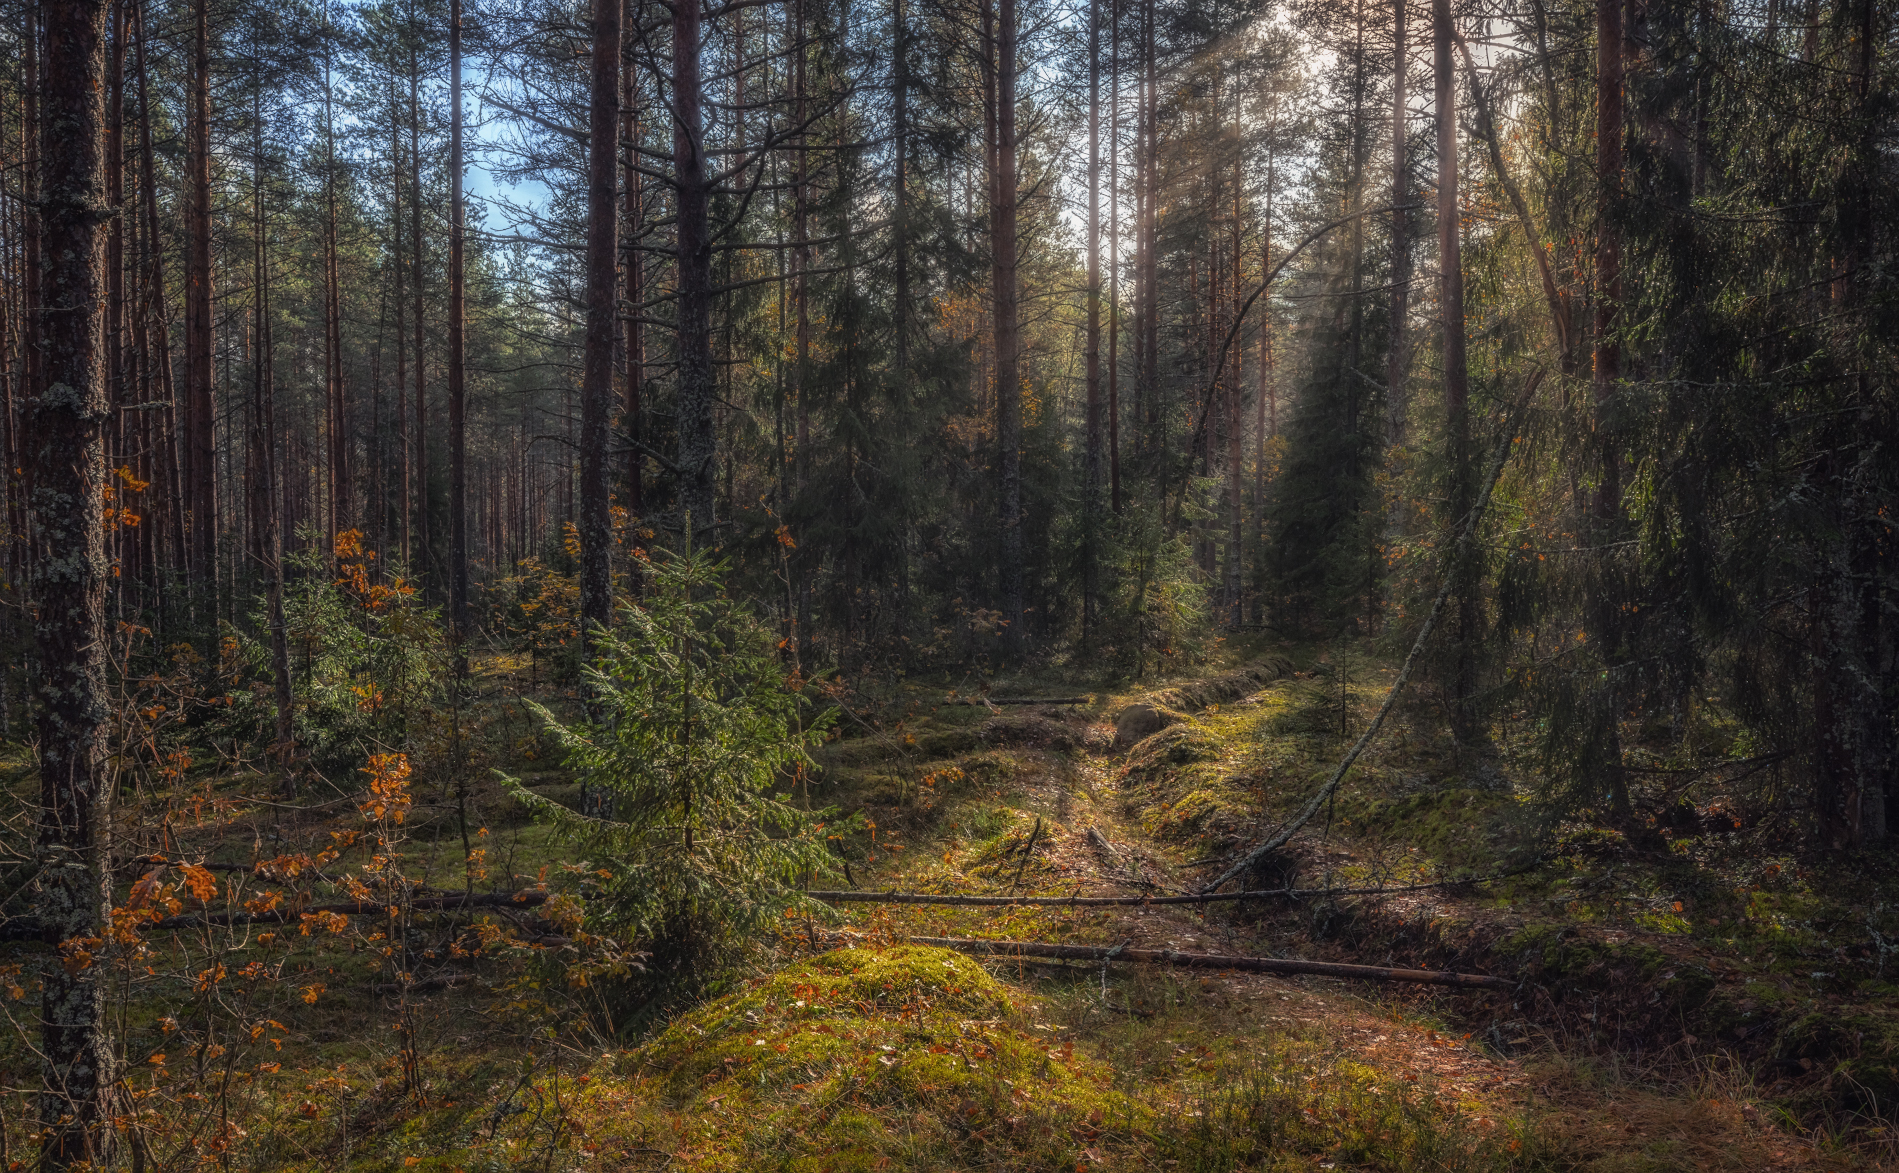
[(1193, 695), (905, 1057), (1180, 786)]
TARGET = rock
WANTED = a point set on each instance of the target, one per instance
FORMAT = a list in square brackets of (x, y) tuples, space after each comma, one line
[(1141, 720)]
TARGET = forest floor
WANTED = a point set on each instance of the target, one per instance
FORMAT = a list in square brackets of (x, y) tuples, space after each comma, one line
[(1697, 999)]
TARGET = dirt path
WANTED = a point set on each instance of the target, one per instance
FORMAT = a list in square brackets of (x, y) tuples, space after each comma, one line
[(1354, 1023), (1716, 1126)]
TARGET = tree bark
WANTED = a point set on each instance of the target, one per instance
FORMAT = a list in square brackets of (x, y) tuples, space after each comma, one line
[(338, 430), (457, 358), (1091, 490), (596, 392), (401, 270), (633, 339), (900, 184), (1450, 292), (1235, 418), (1008, 379), (418, 506), (65, 455), (265, 497), (1400, 309), (167, 479), (200, 442), (1114, 257), (698, 443), (1604, 619), (1150, 236), (116, 445)]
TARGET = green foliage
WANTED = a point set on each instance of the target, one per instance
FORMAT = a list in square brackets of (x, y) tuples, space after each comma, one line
[(694, 731), (1158, 593), (367, 659)]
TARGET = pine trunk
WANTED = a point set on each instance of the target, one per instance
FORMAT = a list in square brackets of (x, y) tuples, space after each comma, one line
[(65, 465), (697, 387), (1091, 489), (199, 448), (457, 358), (1603, 618), (596, 393), (1450, 293), (1008, 380)]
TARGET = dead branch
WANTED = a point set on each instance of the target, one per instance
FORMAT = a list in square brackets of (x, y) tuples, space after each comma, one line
[(1279, 965)]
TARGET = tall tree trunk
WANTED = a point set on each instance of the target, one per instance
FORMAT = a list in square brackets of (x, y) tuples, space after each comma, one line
[(65, 455), (900, 184), (338, 430), (1400, 232), (200, 446), (1008, 380), (167, 480), (596, 393), (801, 262), (697, 437), (265, 499), (1235, 419), (418, 507), (1114, 257), (401, 267), (1450, 292), (1149, 325), (1091, 490), (116, 445), (1603, 618), (457, 357), (633, 336)]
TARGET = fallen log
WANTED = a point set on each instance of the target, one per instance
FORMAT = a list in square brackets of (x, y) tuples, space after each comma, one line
[(1279, 965)]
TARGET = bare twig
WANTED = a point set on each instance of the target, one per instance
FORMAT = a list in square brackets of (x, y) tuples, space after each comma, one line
[(1282, 965)]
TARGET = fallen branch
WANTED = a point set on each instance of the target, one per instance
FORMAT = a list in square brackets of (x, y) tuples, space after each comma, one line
[(1278, 838), (1023, 700), (426, 985), (1281, 965), (1112, 901), (1026, 853)]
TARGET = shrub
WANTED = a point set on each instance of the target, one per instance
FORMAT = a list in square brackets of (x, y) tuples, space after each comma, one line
[(695, 738)]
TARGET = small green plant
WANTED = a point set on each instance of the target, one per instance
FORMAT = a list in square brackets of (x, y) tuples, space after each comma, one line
[(695, 739), (367, 659)]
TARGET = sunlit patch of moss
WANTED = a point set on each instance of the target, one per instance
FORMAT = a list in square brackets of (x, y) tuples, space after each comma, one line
[(861, 1057), (918, 1059), (1163, 754)]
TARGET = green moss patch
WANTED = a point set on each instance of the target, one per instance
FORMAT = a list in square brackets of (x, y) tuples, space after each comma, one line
[(903, 1057)]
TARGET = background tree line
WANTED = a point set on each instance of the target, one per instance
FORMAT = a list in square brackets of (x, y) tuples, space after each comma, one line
[(975, 334)]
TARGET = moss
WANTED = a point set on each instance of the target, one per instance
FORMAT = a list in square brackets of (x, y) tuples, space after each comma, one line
[(1854, 1057), (869, 751), (1030, 730), (1192, 813), (1458, 826), (1191, 695), (1559, 952), (1165, 752), (858, 1059)]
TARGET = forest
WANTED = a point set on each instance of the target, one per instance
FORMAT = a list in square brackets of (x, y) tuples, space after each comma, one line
[(949, 585)]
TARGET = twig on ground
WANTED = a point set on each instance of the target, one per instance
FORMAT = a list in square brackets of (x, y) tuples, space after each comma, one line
[(1279, 965)]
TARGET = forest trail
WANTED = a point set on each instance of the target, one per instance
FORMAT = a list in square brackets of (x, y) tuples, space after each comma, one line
[(1355, 1024), (1490, 1066)]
